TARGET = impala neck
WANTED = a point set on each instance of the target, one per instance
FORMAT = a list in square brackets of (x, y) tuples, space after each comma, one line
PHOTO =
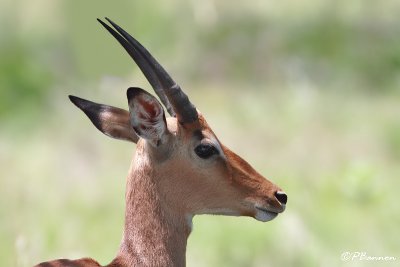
[(155, 233)]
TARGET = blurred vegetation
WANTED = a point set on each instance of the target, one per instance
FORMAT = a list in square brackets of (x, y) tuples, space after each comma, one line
[(306, 90)]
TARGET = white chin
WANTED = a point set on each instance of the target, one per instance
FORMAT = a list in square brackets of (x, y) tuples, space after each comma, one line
[(265, 216)]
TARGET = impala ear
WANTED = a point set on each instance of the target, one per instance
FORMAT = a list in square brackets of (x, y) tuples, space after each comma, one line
[(111, 121), (147, 115)]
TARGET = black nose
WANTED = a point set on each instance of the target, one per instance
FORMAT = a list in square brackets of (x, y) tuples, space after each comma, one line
[(281, 197)]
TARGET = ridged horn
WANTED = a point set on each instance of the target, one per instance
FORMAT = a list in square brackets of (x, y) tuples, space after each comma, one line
[(171, 95)]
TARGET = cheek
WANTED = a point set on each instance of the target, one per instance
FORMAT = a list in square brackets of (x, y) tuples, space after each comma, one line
[(195, 177), (217, 183), (216, 173), (205, 181)]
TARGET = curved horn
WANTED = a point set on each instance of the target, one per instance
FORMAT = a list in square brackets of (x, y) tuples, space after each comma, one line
[(169, 92)]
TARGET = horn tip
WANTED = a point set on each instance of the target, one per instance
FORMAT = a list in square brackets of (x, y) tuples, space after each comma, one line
[(109, 20), (101, 22)]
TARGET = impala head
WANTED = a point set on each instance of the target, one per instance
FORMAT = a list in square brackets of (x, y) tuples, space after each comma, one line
[(196, 173)]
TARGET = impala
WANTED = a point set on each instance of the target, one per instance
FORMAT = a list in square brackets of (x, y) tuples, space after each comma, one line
[(180, 169)]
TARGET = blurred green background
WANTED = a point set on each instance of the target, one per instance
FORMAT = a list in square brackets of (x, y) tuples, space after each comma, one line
[(307, 91)]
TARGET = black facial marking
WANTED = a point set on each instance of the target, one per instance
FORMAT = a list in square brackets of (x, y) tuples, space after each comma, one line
[(198, 134)]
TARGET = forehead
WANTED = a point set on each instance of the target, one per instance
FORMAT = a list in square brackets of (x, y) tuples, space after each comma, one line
[(198, 130), (205, 133)]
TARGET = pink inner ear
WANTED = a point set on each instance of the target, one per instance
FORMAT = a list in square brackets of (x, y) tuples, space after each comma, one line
[(148, 108), (147, 117)]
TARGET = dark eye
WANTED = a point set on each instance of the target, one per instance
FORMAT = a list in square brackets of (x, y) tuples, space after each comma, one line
[(205, 151)]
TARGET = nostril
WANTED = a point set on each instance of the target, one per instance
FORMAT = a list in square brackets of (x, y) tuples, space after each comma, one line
[(281, 197)]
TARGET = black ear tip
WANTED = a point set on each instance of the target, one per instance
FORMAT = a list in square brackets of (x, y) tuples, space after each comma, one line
[(73, 99), (132, 92), (80, 102)]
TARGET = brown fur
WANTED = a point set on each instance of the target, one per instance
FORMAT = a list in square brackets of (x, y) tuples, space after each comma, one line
[(180, 169), (168, 184), (85, 262)]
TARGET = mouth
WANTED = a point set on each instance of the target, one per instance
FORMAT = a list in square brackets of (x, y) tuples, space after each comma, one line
[(264, 215)]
